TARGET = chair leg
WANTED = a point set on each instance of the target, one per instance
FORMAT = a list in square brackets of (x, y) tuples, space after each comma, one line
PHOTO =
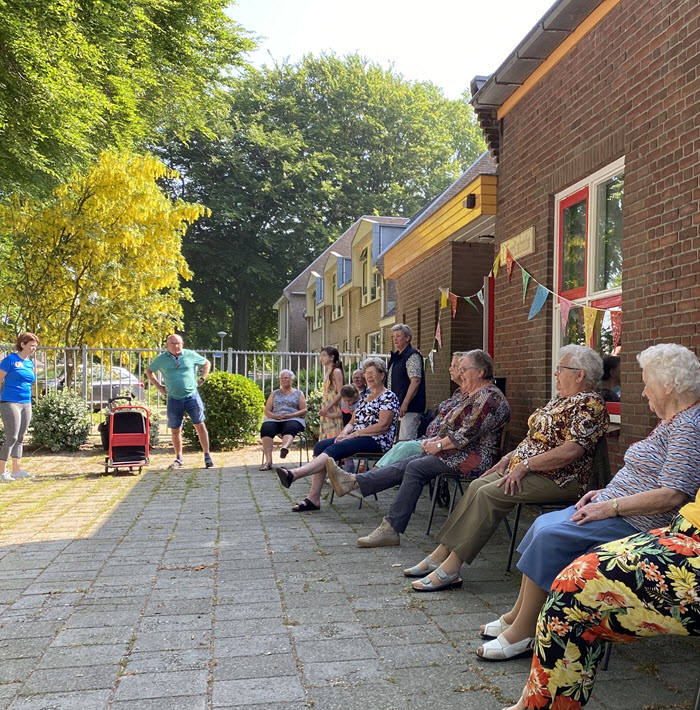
[(606, 658), (514, 536), (436, 487), (453, 497)]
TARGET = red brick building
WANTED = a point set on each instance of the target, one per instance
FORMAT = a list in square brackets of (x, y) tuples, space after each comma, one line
[(595, 122)]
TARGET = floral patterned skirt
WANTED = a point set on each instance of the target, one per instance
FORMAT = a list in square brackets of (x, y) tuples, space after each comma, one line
[(643, 585)]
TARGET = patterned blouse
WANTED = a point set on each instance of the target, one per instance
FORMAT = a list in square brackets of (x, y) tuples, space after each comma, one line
[(660, 461), (582, 418), (475, 429), (286, 404), (444, 408), (367, 413)]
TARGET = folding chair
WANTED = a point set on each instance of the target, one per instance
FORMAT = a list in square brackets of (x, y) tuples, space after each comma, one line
[(302, 441), (600, 477), (441, 485)]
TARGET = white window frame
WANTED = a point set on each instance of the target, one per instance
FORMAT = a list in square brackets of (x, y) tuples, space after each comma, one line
[(592, 182), (374, 340), (336, 300)]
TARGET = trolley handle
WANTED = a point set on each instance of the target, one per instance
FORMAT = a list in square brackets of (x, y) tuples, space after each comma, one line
[(127, 397)]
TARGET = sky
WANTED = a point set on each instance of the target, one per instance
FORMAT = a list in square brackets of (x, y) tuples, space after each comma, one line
[(447, 42)]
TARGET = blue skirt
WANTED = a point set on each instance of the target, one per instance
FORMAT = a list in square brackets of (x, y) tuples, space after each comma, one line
[(553, 542)]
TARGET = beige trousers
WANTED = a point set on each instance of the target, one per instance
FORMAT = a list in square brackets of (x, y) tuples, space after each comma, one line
[(484, 505)]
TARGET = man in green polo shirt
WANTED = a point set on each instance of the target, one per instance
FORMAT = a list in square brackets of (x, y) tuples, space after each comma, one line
[(178, 368)]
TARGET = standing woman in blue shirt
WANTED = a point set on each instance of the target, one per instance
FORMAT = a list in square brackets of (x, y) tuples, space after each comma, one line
[(16, 379)]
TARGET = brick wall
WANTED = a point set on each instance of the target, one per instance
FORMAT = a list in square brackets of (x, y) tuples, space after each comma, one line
[(462, 268), (630, 88)]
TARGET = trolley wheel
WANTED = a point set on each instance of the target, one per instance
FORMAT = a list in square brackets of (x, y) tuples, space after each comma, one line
[(106, 469), (140, 469)]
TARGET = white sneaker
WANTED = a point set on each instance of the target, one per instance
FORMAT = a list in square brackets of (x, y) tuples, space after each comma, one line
[(21, 474), (6, 478)]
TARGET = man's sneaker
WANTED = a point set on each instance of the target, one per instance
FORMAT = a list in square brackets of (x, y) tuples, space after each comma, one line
[(21, 474), (342, 482), (177, 463), (208, 463), (383, 536), (6, 477)]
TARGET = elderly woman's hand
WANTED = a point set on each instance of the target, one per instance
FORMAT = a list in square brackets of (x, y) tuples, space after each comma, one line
[(511, 480), (593, 511), (500, 466), (587, 498)]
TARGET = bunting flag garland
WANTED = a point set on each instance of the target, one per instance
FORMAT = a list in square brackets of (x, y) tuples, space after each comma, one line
[(453, 301), (438, 335), (565, 307), (589, 318), (526, 281), (443, 299), (616, 324), (471, 303), (432, 362), (480, 296), (509, 265), (496, 264), (540, 298)]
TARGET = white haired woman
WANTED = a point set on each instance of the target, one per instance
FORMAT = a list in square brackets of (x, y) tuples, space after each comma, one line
[(552, 463), (371, 429), (285, 410), (657, 479)]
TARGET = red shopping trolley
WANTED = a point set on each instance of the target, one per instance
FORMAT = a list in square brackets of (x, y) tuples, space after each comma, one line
[(125, 435)]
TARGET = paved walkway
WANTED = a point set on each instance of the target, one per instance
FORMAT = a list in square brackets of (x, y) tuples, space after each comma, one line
[(194, 589)]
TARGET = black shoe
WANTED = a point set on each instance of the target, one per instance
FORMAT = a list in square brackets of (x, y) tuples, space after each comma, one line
[(208, 463), (285, 475), (283, 452)]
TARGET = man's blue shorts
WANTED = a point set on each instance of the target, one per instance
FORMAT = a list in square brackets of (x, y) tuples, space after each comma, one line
[(177, 408)]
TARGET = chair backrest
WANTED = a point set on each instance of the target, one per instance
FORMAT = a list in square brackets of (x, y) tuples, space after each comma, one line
[(425, 420), (600, 468), (505, 437)]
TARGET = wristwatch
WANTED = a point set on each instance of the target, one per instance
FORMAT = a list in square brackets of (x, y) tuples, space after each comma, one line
[(526, 463), (615, 506), (439, 445)]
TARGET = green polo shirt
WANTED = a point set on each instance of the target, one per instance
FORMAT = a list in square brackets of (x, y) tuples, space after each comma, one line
[(180, 382)]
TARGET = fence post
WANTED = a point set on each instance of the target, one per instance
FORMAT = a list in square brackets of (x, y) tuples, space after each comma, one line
[(230, 361), (84, 360)]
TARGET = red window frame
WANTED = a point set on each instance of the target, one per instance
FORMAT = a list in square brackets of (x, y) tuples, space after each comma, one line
[(605, 303), (572, 199)]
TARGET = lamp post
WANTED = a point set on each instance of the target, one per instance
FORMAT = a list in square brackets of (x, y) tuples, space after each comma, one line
[(222, 334)]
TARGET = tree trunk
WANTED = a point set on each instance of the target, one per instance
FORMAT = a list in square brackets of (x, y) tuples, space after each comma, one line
[(241, 316)]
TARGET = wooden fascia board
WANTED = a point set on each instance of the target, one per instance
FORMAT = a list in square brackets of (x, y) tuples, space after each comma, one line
[(557, 55), (439, 227)]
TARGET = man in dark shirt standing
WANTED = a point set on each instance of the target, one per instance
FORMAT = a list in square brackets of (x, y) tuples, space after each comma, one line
[(406, 380)]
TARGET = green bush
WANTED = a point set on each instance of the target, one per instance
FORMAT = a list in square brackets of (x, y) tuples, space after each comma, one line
[(234, 409), (61, 421), (313, 405)]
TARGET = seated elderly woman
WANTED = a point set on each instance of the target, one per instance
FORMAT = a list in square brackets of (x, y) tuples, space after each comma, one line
[(370, 430), (466, 442), (657, 478), (552, 463), (644, 585), (403, 449), (285, 410)]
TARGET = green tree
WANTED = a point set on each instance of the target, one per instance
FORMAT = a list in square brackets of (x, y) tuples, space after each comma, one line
[(78, 76), (311, 147), (101, 261)]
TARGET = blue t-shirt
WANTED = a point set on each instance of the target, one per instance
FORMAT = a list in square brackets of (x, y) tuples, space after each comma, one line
[(179, 373), (17, 385)]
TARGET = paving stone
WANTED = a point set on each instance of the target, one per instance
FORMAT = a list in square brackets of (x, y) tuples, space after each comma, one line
[(237, 693), (83, 700), (57, 680), (182, 702), (251, 646), (158, 661), (161, 685), (171, 640), (82, 656), (335, 650)]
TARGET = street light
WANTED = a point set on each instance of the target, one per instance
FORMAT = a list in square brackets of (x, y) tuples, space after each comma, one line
[(222, 334)]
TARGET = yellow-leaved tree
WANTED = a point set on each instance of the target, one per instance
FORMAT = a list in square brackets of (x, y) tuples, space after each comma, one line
[(99, 263)]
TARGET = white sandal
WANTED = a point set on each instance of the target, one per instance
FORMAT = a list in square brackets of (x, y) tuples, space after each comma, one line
[(418, 571), (499, 649), (494, 628)]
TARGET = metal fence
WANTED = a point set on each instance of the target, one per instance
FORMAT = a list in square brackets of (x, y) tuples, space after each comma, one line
[(98, 374)]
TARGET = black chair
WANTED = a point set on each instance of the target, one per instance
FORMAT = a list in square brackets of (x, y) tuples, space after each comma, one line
[(302, 441), (441, 485), (600, 477)]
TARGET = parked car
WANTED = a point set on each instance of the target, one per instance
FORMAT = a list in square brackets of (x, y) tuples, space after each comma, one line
[(103, 384)]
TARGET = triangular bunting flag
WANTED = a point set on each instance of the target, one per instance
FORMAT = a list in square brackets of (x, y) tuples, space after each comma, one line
[(480, 296), (453, 301), (616, 323), (589, 319), (438, 335), (509, 265), (539, 301), (496, 264), (430, 360), (565, 307), (471, 303), (443, 300), (526, 281)]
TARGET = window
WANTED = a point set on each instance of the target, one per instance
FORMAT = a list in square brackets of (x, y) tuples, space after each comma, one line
[(318, 312), (358, 346), (371, 279), (588, 259), (374, 343), (282, 321), (336, 301), (345, 346)]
